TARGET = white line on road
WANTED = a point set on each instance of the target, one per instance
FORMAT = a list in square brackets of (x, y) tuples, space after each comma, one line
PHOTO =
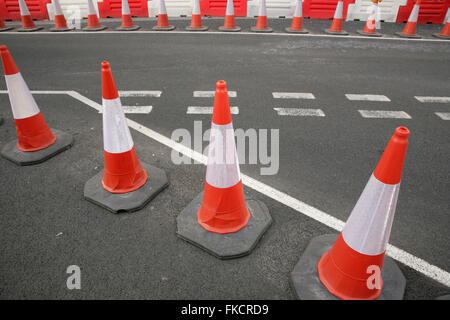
[(136, 109), (208, 110), (142, 93), (366, 97), (210, 94), (433, 99), (443, 115), (293, 95), (398, 254), (299, 112), (383, 114)]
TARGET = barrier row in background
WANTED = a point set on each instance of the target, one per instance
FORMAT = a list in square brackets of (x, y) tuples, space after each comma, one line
[(431, 11)]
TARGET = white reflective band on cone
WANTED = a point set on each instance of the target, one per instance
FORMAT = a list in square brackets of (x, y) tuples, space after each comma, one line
[(339, 10), (414, 14), (57, 8), (22, 102), (23, 8), (373, 12), (91, 8), (448, 16), (196, 8), (125, 7), (116, 134), (262, 8), (298, 13), (230, 8), (223, 165), (368, 228), (162, 7)]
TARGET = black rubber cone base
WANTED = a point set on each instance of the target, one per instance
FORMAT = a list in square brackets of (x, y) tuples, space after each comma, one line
[(63, 142), (224, 246), (126, 202), (411, 36), (29, 29), (6, 29), (303, 31), (94, 29), (128, 29), (169, 28), (60, 29), (307, 285), (222, 28), (203, 28), (267, 30), (336, 33), (438, 35), (376, 34)]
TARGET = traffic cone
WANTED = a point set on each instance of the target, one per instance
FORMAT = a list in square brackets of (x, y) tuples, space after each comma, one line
[(445, 33), (127, 21), (410, 29), (35, 140), (125, 184), (355, 268), (370, 29), (336, 25), (297, 20), (93, 23), (230, 24), (163, 20), (3, 26), (27, 23), (196, 20), (60, 20), (219, 220), (261, 23)]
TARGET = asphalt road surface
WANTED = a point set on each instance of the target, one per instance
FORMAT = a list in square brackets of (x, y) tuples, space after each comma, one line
[(324, 161)]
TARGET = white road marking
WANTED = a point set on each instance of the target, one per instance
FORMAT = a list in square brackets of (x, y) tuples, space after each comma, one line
[(383, 114), (398, 254), (443, 115), (210, 94), (299, 112), (433, 99), (142, 93), (136, 109), (366, 97), (293, 95), (208, 110)]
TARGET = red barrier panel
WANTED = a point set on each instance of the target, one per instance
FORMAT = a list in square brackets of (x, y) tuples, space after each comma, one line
[(216, 8), (113, 8), (9, 9), (323, 9), (431, 11)]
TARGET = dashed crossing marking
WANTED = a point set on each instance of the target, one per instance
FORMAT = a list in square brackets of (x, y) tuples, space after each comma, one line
[(143, 93), (210, 94), (433, 99), (208, 110), (299, 112), (367, 97), (382, 114), (293, 95), (443, 115)]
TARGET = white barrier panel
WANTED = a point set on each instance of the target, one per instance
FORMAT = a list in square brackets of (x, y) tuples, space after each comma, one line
[(175, 8), (72, 9), (361, 8), (275, 8)]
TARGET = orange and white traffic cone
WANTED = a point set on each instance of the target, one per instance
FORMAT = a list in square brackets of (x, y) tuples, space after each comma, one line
[(196, 20), (27, 23), (127, 21), (60, 20), (445, 33), (370, 29), (336, 25), (410, 29), (230, 23), (36, 142), (355, 268), (297, 20), (125, 184), (93, 23), (261, 22), (3, 26), (163, 19), (219, 220)]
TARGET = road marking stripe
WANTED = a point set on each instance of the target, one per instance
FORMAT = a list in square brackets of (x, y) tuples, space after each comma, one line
[(433, 99), (293, 95), (383, 114), (136, 109), (142, 93), (443, 115), (398, 254), (210, 94), (366, 97), (299, 112), (208, 110)]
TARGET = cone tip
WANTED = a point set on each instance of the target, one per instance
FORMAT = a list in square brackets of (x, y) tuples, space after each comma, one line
[(105, 65), (221, 84), (402, 132), (3, 48)]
